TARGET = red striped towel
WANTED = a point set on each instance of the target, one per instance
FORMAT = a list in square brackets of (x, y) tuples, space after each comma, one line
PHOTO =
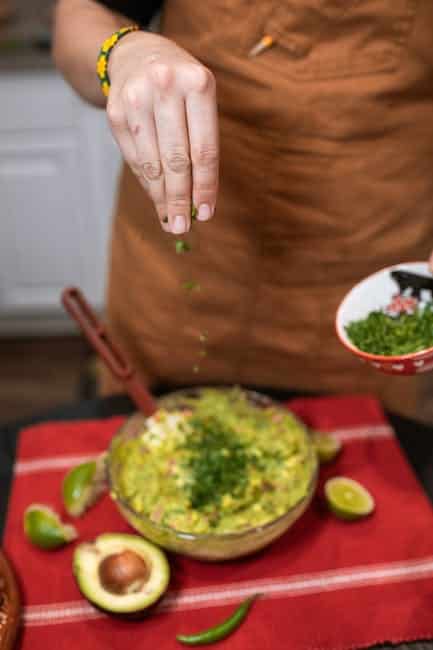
[(326, 584)]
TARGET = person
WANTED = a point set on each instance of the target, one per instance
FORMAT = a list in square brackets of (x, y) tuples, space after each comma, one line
[(317, 116)]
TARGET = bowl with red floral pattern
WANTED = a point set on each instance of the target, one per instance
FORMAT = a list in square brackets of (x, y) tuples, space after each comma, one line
[(386, 320)]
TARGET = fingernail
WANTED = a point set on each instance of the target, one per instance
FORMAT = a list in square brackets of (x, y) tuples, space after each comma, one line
[(179, 225), (204, 212)]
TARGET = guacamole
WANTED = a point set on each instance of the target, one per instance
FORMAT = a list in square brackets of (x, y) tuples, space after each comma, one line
[(216, 464)]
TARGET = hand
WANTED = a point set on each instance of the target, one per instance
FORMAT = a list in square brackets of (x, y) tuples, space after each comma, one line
[(431, 262), (162, 112)]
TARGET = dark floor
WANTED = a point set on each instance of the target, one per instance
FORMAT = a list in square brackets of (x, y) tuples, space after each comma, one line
[(38, 374)]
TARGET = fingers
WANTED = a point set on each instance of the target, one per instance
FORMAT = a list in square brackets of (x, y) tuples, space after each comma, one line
[(165, 123), (120, 129), (147, 163), (171, 126), (203, 139)]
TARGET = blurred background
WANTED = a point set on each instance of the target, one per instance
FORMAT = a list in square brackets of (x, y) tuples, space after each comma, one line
[(58, 168)]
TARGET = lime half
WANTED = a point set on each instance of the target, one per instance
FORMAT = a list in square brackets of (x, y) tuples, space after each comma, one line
[(347, 498), (44, 528), (327, 446)]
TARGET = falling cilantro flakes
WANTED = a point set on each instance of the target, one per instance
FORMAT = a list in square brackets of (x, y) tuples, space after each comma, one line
[(191, 285), (182, 246)]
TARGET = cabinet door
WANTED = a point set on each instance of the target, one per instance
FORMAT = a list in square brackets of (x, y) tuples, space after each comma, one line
[(58, 169), (41, 227), (98, 173)]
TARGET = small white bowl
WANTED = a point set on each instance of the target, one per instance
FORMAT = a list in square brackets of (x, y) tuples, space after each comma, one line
[(372, 294)]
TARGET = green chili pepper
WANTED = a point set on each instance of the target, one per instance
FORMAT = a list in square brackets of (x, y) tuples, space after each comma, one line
[(182, 246), (221, 631)]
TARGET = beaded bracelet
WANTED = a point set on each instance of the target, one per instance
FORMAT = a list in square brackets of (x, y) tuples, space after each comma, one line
[(104, 55)]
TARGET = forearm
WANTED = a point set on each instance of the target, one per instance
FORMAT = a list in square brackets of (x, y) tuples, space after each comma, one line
[(81, 26)]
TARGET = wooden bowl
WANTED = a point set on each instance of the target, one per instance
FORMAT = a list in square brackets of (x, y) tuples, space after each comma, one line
[(9, 605)]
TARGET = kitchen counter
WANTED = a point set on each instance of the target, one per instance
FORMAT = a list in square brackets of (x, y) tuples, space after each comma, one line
[(414, 437)]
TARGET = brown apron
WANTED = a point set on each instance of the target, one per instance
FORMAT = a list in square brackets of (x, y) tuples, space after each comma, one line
[(326, 176)]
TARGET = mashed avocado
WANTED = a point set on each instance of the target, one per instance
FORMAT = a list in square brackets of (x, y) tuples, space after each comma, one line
[(217, 464)]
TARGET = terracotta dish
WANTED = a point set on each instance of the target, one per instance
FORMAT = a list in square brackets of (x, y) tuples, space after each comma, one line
[(6, 10), (9, 605)]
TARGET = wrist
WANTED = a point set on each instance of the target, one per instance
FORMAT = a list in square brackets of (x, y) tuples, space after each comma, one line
[(105, 55), (119, 48), (124, 47)]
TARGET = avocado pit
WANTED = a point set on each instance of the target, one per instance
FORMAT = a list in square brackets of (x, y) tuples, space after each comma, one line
[(124, 573)]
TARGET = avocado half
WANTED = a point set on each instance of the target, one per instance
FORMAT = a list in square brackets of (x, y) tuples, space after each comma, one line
[(121, 573)]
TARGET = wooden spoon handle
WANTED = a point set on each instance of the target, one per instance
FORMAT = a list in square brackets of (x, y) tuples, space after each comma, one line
[(99, 338)]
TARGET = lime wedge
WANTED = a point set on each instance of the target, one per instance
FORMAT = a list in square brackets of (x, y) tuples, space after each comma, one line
[(347, 498), (83, 485), (327, 446), (44, 528)]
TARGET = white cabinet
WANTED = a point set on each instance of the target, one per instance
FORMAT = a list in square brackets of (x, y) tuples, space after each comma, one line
[(58, 173)]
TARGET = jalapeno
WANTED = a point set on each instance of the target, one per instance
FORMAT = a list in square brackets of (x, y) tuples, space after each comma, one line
[(221, 631)]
